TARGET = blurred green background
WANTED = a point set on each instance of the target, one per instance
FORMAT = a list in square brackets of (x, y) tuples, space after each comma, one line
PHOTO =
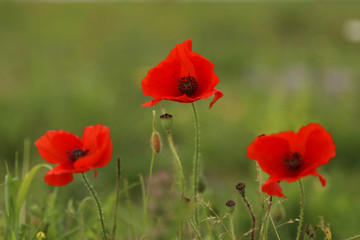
[(281, 65)]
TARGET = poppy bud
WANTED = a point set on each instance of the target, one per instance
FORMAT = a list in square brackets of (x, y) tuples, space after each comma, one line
[(241, 188), (201, 185), (156, 142), (166, 121), (231, 206), (278, 212)]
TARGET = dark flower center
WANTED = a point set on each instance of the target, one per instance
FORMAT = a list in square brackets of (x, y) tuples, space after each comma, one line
[(76, 154), (187, 85), (293, 160)]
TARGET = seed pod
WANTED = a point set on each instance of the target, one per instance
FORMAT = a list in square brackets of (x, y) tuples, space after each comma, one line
[(166, 121), (241, 188), (231, 206)]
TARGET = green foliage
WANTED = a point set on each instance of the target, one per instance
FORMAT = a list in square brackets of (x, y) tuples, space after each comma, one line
[(15, 192), (281, 65), (24, 186)]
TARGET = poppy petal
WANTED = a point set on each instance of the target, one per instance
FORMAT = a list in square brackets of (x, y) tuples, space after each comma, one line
[(269, 151), (54, 146), (272, 187), (96, 139), (158, 82), (162, 81), (218, 95), (151, 103), (60, 175), (106, 156), (321, 178), (320, 148)]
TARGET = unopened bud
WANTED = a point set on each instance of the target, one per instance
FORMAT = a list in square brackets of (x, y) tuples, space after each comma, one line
[(241, 188), (166, 121), (278, 212), (156, 142), (231, 205), (201, 185)]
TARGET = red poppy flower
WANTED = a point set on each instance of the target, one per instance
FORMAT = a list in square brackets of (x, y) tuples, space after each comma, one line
[(290, 156), (184, 76), (74, 154)]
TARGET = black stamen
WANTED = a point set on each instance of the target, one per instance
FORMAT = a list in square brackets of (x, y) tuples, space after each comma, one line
[(76, 154), (293, 160), (187, 85)]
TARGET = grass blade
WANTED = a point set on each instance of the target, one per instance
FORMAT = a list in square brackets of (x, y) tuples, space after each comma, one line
[(25, 184)]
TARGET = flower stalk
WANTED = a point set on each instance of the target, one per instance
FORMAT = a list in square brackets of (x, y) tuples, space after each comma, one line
[(118, 181), (241, 188), (178, 165), (196, 154), (156, 146), (101, 217), (301, 216)]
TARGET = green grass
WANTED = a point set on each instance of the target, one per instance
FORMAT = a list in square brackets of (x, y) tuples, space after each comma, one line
[(281, 66)]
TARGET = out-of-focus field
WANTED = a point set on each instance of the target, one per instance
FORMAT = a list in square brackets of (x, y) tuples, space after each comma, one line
[(281, 65)]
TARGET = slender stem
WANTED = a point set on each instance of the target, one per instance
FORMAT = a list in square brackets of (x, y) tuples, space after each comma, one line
[(196, 154), (150, 171), (195, 229), (180, 176), (246, 201), (205, 214), (118, 180), (219, 219), (178, 164), (180, 230), (143, 197), (129, 206), (101, 217), (302, 203), (263, 230), (147, 187), (277, 234), (354, 237), (232, 226)]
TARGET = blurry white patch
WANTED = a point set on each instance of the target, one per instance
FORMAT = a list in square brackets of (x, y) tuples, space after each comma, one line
[(351, 30), (337, 80), (295, 78)]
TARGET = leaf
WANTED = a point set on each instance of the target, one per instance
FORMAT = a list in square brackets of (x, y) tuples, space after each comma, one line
[(6, 195), (13, 236), (25, 184)]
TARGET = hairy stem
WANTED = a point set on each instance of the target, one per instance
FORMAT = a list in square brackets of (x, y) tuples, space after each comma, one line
[(178, 164), (302, 203), (232, 226), (246, 201), (263, 230), (196, 154), (118, 180), (101, 217)]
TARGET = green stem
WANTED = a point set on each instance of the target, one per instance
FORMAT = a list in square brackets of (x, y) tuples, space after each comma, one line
[(129, 207), (264, 225), (118, 180), (147, 188), (277, 234), (101, 217), (302, 203), (196, 155), (150, 172), (178, 164), (195, 229), (232, 226)]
